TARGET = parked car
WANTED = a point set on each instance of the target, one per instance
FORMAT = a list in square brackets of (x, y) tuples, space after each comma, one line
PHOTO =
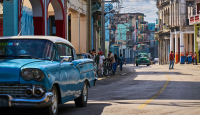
[(142, 59), (85, 55), (156, 60), (43, 71)]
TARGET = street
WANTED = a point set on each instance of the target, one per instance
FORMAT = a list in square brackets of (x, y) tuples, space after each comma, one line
[(140, 90)]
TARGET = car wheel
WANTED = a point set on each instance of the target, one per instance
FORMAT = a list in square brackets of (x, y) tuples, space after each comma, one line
[(136, 64), (82, 100), (148, 65), (52, 109)]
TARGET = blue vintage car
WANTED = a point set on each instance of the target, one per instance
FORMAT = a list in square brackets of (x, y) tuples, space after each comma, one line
[(43, 71)]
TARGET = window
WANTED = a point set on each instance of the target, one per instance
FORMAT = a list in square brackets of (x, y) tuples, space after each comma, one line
[(65, 51)]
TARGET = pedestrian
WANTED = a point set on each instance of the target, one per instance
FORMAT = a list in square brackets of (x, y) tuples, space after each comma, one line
[(121, 61), (116, 60), (112, 60), (97, 59), (101, 62), (90, 56), (195, 59), (171, 59)]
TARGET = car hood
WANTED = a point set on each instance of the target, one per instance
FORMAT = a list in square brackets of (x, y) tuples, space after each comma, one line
[(10, 69)]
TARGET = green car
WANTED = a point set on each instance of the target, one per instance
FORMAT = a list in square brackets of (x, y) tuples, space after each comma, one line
[(142, 59)]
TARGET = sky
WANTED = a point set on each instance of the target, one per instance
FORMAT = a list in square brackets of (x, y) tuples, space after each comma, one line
[(148, 7)]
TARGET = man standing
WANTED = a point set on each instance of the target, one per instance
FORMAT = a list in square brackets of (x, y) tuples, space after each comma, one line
[(121, 61), (112, 60), (101, 61), (171, 59), (195, 59)]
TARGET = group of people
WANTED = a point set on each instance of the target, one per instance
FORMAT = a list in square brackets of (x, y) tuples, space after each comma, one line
[(114, 60), (171, 60)]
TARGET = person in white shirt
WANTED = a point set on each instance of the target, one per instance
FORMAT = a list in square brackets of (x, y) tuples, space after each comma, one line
[(101, 61)]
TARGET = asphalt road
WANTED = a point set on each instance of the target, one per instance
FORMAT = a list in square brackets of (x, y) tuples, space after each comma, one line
[(141, 90)]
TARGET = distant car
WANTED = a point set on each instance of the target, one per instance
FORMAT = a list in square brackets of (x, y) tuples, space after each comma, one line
[(43, 71), (142, 59), (156, 60), (85, 55)]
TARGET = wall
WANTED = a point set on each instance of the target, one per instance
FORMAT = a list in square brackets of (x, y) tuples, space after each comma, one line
[(10, 23)]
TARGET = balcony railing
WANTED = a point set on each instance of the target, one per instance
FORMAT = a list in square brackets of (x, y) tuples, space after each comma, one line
[(194, 19)]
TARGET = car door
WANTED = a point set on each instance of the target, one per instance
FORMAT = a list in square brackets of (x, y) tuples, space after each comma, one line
[(68, 81)]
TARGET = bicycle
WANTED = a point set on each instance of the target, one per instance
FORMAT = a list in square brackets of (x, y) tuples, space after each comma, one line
[(107, 69)]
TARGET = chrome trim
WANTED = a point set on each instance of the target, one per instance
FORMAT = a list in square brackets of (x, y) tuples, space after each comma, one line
[(30, 102), (33, 89), (82, 67), (31, 92), (87, 71), (41, 90)]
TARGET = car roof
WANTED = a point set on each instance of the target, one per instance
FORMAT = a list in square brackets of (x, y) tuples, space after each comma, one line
[(53, 39)]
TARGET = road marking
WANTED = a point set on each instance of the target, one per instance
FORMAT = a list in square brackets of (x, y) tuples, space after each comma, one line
[(163, 88)]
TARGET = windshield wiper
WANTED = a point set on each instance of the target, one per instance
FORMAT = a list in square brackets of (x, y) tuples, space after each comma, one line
[(23, 56), (5, 56)]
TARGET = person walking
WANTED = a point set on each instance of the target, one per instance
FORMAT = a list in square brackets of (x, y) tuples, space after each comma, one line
[(97, 59), (112, 59), (171, 60), (116, 60), (101, 61), (121, 61), (195, 59)]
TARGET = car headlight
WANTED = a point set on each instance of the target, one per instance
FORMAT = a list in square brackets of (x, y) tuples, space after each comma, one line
[(29, 74)]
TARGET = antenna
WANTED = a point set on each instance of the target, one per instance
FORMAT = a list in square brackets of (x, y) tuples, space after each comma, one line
[(21, 30)]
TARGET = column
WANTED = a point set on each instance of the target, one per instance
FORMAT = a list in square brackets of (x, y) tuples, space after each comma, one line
[(83, 31), (175, 14), (10, 18), (187, 45), (172, 14), (181, 44), (89, 27), (67, 22), (184, 43), (75, 30), (190, 45), (196, 48), (176, 47), (171, 42)]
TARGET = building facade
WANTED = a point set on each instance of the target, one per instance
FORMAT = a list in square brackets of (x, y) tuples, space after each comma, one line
[(175, 34)]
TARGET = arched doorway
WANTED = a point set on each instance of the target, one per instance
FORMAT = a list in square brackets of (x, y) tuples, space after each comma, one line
[(40, 18), (59, 17)]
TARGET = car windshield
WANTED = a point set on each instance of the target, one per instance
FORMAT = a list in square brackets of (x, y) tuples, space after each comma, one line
[(81, 56), (26, 49), (142, 56)]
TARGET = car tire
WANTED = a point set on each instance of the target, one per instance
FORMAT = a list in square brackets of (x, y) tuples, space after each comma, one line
[(136, 64), (82, 100), (52, 109), (148, 64)]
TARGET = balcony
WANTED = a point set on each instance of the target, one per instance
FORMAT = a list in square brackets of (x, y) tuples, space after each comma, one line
[(194, 19)]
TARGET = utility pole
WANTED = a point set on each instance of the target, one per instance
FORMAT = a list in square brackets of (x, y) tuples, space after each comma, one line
[(89, 30), (103, 26)]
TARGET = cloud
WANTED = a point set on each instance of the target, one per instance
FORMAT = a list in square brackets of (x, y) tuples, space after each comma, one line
[(148, 7)]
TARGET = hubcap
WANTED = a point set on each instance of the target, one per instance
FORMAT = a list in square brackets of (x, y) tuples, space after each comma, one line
[(85, 92), (54, 102)]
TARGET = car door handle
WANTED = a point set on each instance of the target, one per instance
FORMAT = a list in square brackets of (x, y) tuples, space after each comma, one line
[(81, 66), (71, 63)]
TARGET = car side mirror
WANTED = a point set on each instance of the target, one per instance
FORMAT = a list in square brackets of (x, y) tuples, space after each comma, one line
[(65, 59)]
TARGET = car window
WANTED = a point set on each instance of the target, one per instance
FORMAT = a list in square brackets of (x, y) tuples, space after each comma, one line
[(65, 51), (75, 56), (56, 55), (26, 48)]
